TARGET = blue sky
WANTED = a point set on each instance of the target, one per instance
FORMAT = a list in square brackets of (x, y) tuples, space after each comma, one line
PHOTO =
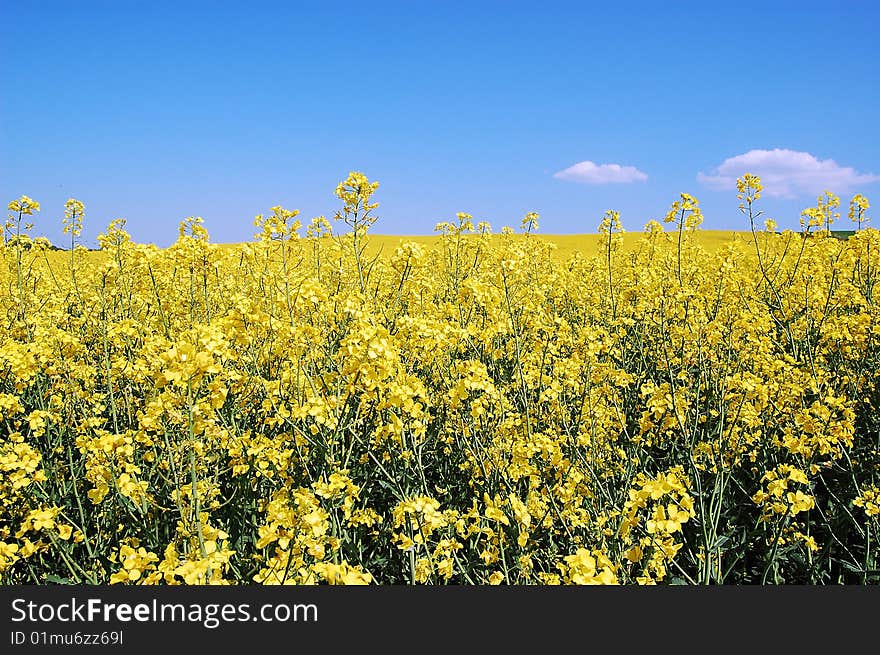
[(155, 111)]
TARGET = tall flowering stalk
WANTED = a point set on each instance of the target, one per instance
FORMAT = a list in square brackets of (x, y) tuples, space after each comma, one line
[(74, 210), (18, 209), (355, 192)]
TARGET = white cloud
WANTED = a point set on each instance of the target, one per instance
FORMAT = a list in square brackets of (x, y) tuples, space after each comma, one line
[(586, 172), (786, 173)]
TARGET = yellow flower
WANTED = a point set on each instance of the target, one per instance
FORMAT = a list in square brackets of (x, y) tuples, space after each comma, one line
[(24, 205), (869, 500), (74, 211), (530, 222)]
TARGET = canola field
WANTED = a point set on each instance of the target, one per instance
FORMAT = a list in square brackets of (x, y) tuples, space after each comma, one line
[(323, 406)]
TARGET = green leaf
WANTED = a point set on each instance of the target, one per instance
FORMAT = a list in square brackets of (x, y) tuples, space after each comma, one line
[(851, 567)]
